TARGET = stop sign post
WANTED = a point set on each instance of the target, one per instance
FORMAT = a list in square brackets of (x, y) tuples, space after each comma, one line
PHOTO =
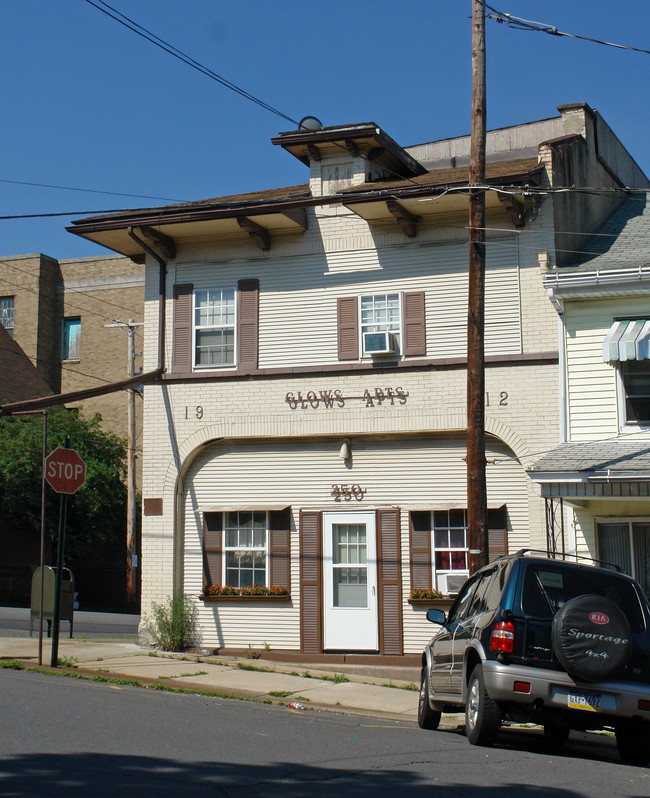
[(65, 471)]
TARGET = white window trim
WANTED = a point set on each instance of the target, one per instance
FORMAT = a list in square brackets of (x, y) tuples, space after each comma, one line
[(444, 573), (399, 333), (225, 549), (214, 366), (621, 399)]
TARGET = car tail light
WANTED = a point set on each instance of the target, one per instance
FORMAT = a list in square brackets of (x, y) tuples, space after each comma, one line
[(522, 687), (644, 704), (503, 637)]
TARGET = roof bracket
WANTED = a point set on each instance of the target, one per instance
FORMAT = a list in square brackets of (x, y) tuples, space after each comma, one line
[(166, 244), (259, 234), (407, 220), (297, 215), (314, 152), (520, 212)]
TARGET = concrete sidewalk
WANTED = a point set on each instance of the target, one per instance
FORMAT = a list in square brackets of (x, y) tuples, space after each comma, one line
[(378, 691)]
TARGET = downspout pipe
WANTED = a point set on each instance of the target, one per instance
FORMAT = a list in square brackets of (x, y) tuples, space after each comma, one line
[(162, 291)]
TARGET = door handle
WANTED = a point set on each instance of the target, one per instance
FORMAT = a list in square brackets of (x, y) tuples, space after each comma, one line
[(373, 590)]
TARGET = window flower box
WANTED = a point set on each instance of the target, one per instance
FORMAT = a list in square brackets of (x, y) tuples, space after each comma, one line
[(430, 598), (226, 593)]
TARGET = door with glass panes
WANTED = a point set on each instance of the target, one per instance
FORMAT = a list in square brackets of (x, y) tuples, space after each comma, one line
[(350, 582)]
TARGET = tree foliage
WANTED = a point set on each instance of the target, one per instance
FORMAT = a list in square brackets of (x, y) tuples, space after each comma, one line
[(96, 512)]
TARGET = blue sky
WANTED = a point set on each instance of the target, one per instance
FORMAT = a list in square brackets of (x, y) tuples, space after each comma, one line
[(91, 105)]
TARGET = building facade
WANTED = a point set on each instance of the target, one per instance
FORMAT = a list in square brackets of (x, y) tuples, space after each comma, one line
[(305, 476), (597, 482)]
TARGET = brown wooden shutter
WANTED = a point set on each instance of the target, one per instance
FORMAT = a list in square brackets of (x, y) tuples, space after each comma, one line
[(390, 582), (420, 544), (182, 359), (348, 327), (497, 533), (279, 549), (415, 342), (212, 547), (310, 582), (248, 324)]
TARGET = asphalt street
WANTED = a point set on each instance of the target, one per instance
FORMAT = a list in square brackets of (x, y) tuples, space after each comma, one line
[(79, 739), (14, 622)]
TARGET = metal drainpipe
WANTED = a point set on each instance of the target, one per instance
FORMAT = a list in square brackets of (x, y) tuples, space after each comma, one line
[(162, 289)]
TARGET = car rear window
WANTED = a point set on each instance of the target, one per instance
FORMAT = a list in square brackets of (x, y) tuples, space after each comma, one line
[(548, 587)]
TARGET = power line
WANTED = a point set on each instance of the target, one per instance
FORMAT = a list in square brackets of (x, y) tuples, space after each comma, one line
[(118, 16), (41, 294), (538, 191), (87, 190), (519, 23)]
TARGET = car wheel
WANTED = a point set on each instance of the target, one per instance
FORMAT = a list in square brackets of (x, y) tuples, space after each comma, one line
[(482, 714), (591, 637), (427, 718), (633, 742), (556, 733)]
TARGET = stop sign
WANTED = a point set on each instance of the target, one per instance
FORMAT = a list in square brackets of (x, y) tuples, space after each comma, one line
[(65, 470)]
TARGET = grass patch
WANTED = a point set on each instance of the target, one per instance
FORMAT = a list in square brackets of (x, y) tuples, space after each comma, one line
[(280, 693), (11, 664), (411, 687), (242, 666), (338, 678), (67, 662)]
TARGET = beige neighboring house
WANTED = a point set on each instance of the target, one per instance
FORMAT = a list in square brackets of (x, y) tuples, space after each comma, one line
[(596, 483), (58, 312), (307, 435)]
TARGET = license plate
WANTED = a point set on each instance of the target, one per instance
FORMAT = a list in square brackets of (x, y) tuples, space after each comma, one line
[(590, 701)]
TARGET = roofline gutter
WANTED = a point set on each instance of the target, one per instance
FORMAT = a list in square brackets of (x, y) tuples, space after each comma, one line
[(162, 292), (556, 282)]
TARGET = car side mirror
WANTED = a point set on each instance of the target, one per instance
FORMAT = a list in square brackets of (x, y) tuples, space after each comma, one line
[(436, 616)]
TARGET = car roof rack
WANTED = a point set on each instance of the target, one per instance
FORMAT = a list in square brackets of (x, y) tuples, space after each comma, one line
[(577, 558)]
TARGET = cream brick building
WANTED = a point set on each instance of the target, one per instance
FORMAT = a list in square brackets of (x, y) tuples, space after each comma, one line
[(307, 435)]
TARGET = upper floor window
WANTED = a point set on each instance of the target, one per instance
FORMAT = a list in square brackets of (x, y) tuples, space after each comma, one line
[(381, 324), (627, 346), (214, 327), (635, 381), (71, 343), (7, 314)]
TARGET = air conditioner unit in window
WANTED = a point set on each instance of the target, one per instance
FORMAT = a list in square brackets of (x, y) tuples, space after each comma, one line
[(450, 584), (379, 343)]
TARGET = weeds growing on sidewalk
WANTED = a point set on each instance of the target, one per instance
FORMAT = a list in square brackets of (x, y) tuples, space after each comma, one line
[(172, 624)]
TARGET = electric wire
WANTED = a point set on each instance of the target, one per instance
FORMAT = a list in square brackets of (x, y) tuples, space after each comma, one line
[(127, 22), (42, 294), (519, 23), (88, 190)]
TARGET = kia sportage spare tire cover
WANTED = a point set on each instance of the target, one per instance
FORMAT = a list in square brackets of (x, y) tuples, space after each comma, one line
[(591, 637)]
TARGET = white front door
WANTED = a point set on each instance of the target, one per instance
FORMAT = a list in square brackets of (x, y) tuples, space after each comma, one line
[(350, 578)]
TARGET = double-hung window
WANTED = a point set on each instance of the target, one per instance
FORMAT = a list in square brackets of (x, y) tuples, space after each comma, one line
[(7, 314), (450, 549), (381, 323), (214, 327), (246, 534), (627, 347), (635, 381), (440, 547)]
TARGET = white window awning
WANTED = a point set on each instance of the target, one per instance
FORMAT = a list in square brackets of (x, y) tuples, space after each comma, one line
[(627, 340)]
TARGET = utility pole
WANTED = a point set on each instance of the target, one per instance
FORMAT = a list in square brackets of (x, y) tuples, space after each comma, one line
[(131, 555), (476, 483)]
